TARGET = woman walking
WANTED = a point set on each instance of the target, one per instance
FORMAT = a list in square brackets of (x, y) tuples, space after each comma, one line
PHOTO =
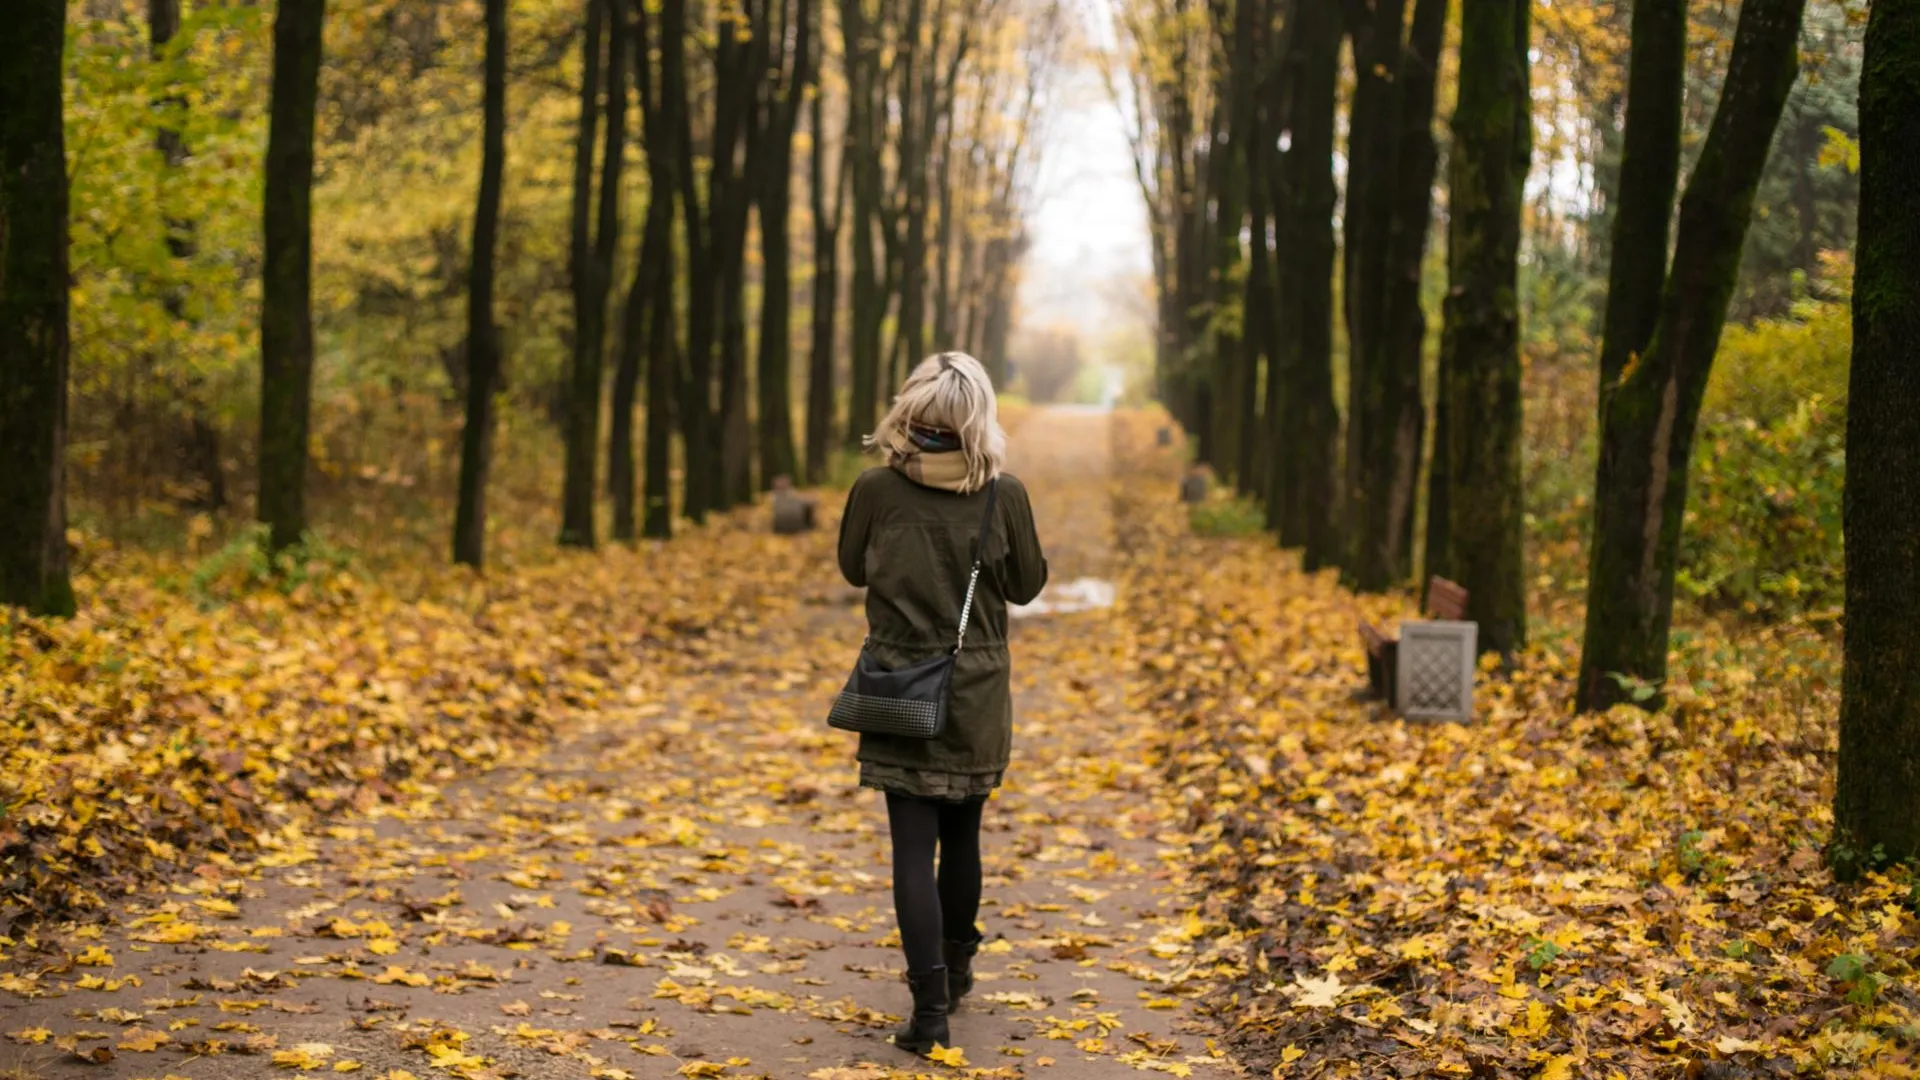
[(911, 535)]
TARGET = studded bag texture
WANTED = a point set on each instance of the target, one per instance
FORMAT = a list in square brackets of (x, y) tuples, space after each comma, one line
[(911, 701)]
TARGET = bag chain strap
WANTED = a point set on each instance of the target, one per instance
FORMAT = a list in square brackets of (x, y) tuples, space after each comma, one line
[(973, 579)]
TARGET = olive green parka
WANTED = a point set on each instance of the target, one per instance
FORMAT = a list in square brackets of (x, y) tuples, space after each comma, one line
[(912, 548)]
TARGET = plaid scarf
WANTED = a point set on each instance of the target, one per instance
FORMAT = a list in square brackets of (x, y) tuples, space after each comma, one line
[(931, 458)]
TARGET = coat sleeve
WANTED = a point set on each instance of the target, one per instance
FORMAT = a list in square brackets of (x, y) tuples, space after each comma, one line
[(855, 524), (1026, 563)]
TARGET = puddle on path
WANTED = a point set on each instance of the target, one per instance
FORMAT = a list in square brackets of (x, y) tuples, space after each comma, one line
[(1067, 597)]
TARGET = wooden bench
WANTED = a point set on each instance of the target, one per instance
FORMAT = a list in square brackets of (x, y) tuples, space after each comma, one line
[(1446, 601)]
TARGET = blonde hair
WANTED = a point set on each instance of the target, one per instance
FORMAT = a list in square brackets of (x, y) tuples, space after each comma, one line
[(950, 391)]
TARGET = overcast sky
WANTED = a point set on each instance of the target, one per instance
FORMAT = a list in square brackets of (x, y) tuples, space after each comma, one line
[(1089, 261)]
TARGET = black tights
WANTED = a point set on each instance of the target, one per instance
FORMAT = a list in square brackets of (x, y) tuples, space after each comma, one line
[(931, 908)]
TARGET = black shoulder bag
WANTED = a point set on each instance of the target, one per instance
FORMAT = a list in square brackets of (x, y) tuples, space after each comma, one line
[(912, 701)]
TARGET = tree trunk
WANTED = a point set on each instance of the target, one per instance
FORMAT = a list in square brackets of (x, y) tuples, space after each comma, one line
[(286, 286), (33, 311), (696, 384), (483, 336), (1306, 469), (589, 283), (1248, 61), (1374, 401), (1641, 210), (656, 255), (869, 299), (663, 185), (1438, 558), (1646, 443), (1403, 334), (916, 98), (775, 376), (735, 457), (943, 312), (1223, 341), (826, 289), (1481, 343), (1876, 805), (739, 69)]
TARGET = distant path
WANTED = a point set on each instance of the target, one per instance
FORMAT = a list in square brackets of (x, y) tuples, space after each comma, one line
[(696, 879)]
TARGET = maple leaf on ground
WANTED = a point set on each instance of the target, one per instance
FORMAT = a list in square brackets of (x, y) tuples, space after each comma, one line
[(948, 1055), (1558, 1067), (1318, 993)]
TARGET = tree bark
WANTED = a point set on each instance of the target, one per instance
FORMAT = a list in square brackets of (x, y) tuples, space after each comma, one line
[(1403, 333), (1481, 342), (869, 299), (663, 365), (1646, 443), (1642, 210), (697, 426), (1876, 806), (1306, 469), (33, 311), (1225, 191), (286, 287), (740, 70), (775, 376), (826, 286), (916, 96), (1374, 403), (483, 335), (1254, 345), (656, 253), (589, 282)]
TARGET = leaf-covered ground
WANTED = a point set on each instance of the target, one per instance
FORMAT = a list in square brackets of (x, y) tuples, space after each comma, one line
[(1532, 895), (684, 881), (582, 818), (187, 712)]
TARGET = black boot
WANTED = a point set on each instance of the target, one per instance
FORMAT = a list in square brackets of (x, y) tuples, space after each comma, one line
[(960, 968), (928, 1024)]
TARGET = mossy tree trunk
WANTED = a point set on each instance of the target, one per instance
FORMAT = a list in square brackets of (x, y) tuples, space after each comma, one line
[(1653, 406), (1876, 806), (1305, 468), (1642, 209), (1480, 362), (33, 311), (483, 335), (286, 285)]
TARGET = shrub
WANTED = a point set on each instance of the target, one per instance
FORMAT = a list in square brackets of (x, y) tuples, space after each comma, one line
[(1763, 514), (1762, 534), (1226, 516)]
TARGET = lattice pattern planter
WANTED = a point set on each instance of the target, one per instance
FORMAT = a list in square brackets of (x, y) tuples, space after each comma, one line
[(1435, 670)]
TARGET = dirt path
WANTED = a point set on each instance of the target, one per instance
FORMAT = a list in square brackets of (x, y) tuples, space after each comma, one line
[(694, 886)]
